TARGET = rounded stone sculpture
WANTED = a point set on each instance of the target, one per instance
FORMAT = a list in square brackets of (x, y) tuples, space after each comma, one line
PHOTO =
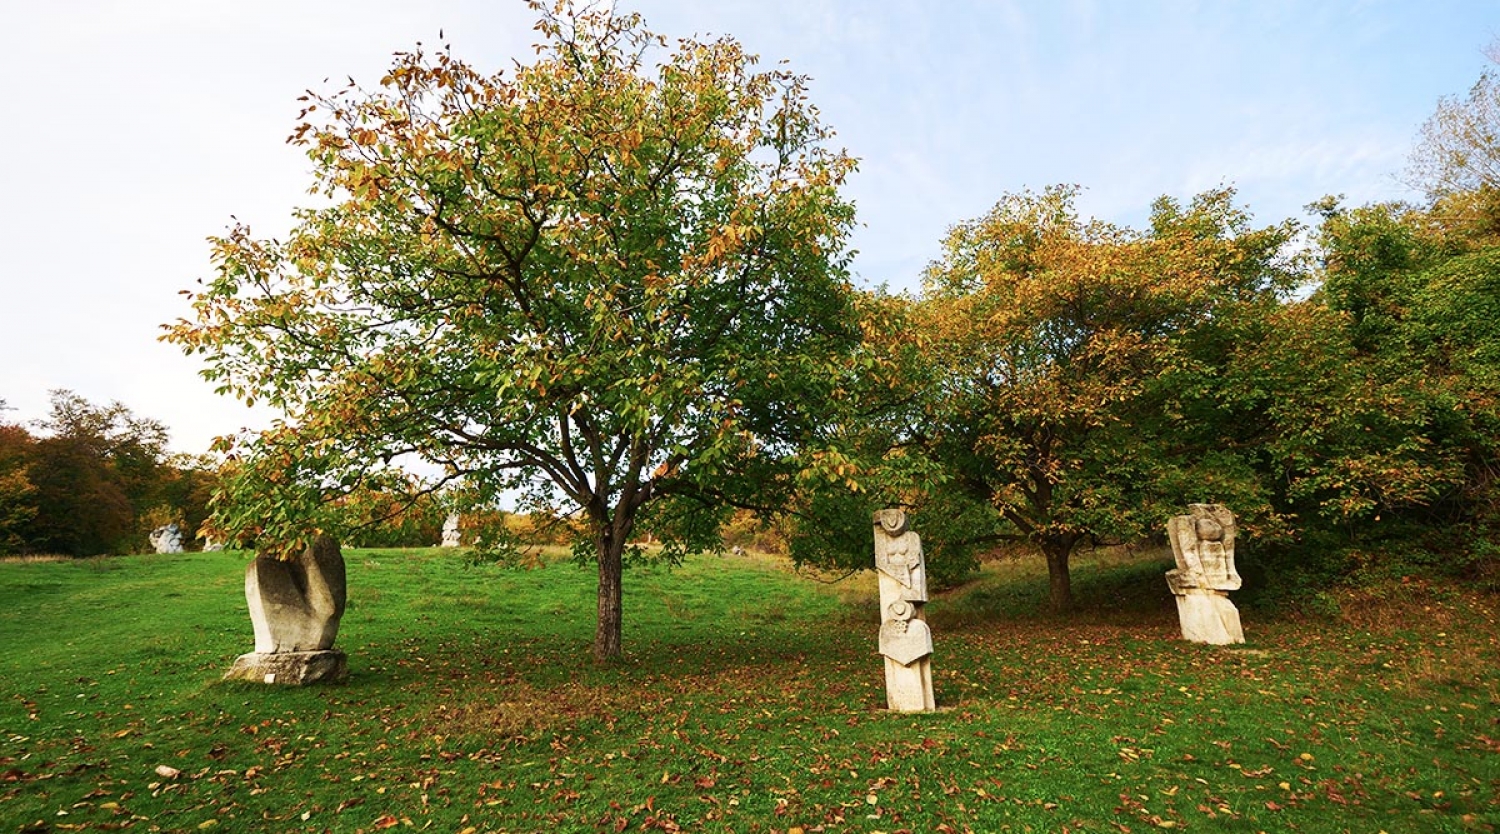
[(295, 607), (166, 539)]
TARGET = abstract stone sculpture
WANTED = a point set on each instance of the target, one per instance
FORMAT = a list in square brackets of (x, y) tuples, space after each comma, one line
[(451, 536), (166, 539), (905, 639), (1203, 546), (295, 608)]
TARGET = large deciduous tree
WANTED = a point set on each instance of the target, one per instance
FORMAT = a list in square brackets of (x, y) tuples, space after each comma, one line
[(1057, 339), (1420, 288), (96, 469), (615, 277)]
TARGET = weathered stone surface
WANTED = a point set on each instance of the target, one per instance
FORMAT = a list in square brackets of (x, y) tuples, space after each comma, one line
[(1209, 617), (905, 639), (451, 535), (1203, 548), (166, 539), (898, 555), (291, 668), (902, 638), (295, 605)]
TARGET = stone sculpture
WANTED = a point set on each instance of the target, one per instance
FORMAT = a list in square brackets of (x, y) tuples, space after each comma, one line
[(295, 608), (905, 639), (1203, 547), (166, 539), (451, 536)]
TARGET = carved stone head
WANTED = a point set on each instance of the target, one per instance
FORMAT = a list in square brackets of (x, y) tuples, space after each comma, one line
[(892, 522)]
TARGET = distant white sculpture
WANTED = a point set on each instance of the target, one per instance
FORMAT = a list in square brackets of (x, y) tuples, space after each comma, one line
[(212, 545), (905, 639), (1203, 547), (166, 539), (451, 536)]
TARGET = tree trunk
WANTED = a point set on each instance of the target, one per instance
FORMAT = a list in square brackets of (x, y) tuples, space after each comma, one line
[(607, 632), (1059, 581)]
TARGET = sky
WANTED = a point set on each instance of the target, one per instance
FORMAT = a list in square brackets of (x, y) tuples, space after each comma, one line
[(135, 130)]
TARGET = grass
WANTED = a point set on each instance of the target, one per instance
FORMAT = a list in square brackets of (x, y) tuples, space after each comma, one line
[(750, 701)]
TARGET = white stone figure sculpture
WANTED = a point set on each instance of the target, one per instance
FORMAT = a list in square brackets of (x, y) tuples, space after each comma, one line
[(212, 545), (905, 639), (451, 536), (295, 607), (166, 539), (1203, 547)]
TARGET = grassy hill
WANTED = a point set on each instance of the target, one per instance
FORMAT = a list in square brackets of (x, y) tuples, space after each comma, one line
[(751, 700)]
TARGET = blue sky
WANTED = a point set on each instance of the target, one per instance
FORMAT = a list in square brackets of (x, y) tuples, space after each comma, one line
[(138, 128)]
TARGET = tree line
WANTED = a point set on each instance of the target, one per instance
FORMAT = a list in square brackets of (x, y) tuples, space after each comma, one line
[(616, 282), (94, 479)]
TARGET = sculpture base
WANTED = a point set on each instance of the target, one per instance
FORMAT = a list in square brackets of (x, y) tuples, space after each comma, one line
[(291, 668), (1209, 617), (909, 688)]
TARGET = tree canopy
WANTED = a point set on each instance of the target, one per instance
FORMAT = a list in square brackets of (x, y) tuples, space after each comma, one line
[(1058, 339), (614, 279), (1421, 291)]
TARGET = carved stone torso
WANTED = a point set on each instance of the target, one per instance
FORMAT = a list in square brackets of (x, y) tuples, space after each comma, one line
[(1203, 547), (898, 555), (451, 535), (905, 640)]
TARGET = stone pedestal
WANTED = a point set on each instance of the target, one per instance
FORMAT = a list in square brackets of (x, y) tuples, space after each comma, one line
[(291, 668), (905, 639), (1209, 617)]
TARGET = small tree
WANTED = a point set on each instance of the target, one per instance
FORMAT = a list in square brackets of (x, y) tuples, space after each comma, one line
[(616, 284), (1458, 148)]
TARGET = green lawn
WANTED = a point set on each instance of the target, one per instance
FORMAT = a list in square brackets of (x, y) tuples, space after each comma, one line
[(751, 701)]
